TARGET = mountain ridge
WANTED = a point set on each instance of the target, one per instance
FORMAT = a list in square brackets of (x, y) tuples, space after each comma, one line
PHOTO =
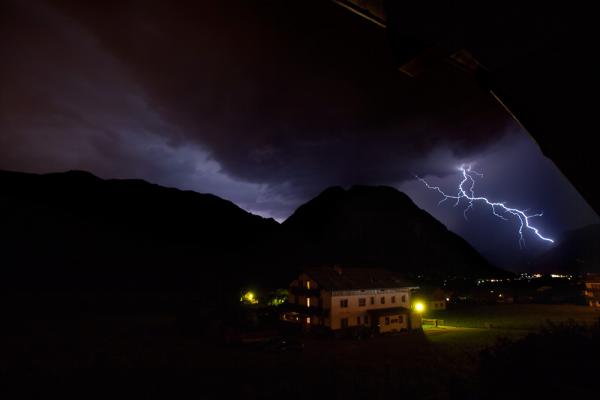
[(74, 229)]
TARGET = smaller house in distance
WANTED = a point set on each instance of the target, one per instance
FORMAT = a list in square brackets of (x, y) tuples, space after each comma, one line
[(434, 298), (339, 298), (592, 289)]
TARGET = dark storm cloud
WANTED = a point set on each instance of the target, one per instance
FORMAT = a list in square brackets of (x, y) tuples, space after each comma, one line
[(264, 103), (296, 96), (67, 103)]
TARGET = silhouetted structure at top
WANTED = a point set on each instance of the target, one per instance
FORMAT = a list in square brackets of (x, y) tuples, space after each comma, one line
[(537, 59)]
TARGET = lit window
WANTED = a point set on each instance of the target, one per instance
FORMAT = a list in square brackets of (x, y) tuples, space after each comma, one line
[(308, 320), (308, 284), (362, 302), (308, 302)]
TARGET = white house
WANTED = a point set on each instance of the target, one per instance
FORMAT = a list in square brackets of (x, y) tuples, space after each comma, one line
[(339, 298)]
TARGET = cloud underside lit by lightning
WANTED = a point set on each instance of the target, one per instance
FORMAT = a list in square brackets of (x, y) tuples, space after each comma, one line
[(466, 191)]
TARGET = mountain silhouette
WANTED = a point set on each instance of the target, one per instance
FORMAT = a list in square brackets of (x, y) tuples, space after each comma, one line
[(576, 252), (74, 230), (381, 227)]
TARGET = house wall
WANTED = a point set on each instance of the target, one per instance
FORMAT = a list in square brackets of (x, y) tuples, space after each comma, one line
[(334, 313), (304, 281), (319, 299), (393, 323), (437, 305), (416, 321), (354, 310)]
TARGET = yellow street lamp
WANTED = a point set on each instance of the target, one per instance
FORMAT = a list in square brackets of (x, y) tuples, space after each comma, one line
[(419, 307)]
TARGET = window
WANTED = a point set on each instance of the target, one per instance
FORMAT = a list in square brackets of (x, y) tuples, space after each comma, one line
[(404, 298), (308, 302), (344, 303), (308, 320), (401, 319), (372, 300), (344, 323), (393, 299), (357, 320), (387, 320), (308, 284), (366, 319), (362, 302), (382, 300)]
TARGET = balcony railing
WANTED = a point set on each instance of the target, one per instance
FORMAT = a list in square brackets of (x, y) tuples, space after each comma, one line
[(304, 291)]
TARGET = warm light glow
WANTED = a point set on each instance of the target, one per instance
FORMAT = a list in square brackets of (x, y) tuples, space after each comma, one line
[(308, 320), (447, 298), (308, 302), (308, 284), (249, 297), (419, 307)]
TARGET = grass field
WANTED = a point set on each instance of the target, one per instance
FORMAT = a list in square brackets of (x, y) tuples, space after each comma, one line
[(515, 316)]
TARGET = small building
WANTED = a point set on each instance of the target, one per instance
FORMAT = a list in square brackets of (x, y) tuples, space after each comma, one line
[(592, 289), (434, 298), (338, 298)]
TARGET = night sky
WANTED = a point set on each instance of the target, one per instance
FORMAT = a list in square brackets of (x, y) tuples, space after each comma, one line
[(264, 103)]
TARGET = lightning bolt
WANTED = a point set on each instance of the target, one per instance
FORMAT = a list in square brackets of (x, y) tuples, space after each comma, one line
[(466, 191)]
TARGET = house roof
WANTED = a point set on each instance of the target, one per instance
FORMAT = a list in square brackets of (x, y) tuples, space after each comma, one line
[(344, 278), (431, 293)]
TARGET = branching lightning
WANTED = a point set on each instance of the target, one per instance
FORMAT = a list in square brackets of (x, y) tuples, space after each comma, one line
[(466, 191)]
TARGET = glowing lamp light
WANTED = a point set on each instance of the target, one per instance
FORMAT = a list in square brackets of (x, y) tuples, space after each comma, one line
[(249, 297), (419, 307)]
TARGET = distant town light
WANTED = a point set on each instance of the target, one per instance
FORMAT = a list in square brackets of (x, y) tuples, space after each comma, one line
[(447, 298)]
